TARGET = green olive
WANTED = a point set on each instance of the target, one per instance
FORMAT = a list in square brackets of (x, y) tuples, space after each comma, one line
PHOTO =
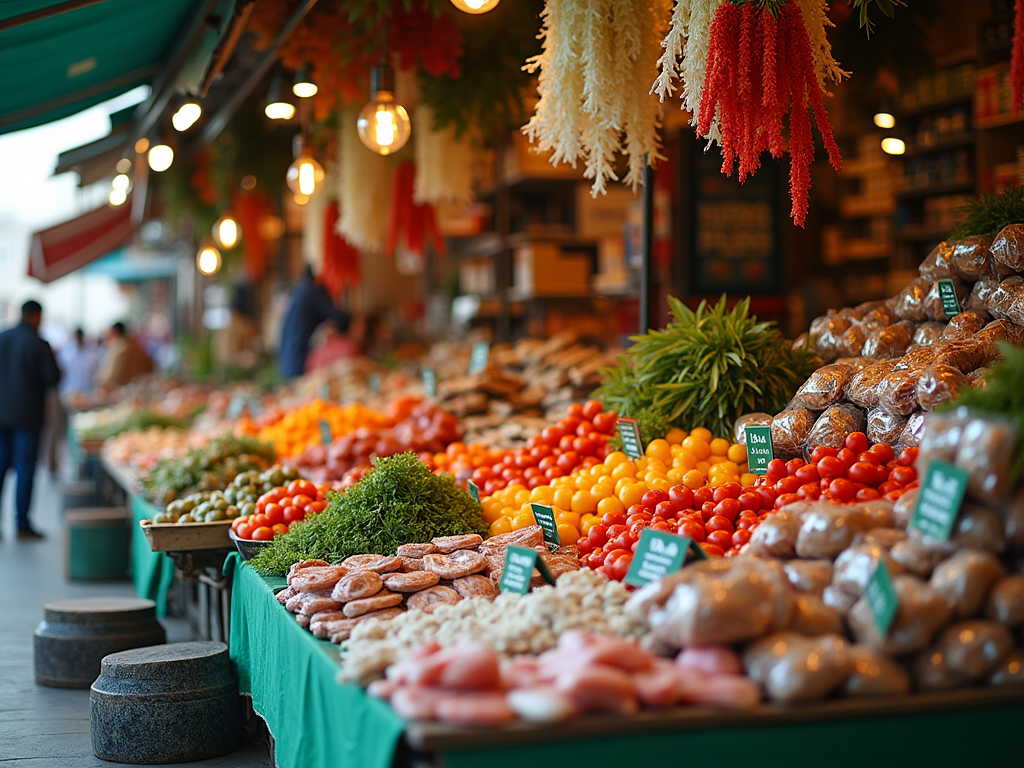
[(189, 518)]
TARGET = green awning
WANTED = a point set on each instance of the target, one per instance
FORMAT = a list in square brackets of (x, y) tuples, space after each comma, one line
[(54, 67)]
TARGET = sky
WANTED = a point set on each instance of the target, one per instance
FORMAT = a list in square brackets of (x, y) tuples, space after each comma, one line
[(31, 198)]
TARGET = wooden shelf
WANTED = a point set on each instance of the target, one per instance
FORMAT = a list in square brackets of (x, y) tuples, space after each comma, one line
[(998, 121), (946, 188), (949, 142), (856, 170), (949, 101)]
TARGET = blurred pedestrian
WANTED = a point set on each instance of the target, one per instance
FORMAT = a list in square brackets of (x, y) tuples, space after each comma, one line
[(308, 306), (28, 369), (78, 361), (125, 359)]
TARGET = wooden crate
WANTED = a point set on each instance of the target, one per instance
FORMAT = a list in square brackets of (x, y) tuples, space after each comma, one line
[(184, 537)]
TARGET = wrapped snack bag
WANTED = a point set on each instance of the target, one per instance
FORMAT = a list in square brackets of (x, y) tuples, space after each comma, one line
[(1008, 248), (980, 296), (938, 385), (1006, 302), (963, 325), (984, 448), (897, 392), (909, 304), (937, 264), (928, 333), (739, 429), (889, 341), (971, 259), (917, 358), (862, 389), (977, 378), (825, 333), (933, 300), (911, 435), (833, 426), (824, 387), (884, 427), (851, 342), (965, 355), (790, 430)]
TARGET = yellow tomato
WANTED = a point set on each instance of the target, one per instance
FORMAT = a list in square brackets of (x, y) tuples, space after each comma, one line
[(491, 513), (602, 490), (521, 497), (568, 534), (747, 480), (583, 501), (703, 433), (615, 458), (703, 467), (675, 475), (543, 494), (699, 448), (515, 488), (627, 471), (587, 522), (737, 453), (719, 446), (500, 526), (631, 494), (675, 435), (562, 498), (611, 504), (659, 449), (523, 520), (584, 482), (600, 470), (568, 518), (660, 485), (693, 479), (685, 461)]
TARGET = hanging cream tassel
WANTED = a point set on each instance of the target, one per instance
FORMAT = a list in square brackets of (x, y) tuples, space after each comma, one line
[(364, 189), (444, 164)]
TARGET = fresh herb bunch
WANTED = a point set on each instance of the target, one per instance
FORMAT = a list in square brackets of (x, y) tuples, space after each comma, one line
[(706, 368), (990, 213), (209, 468), (399, 502), (1002, 396)]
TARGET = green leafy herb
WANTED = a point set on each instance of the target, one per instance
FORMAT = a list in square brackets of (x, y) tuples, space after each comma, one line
[(888, 7), (400, 502), (990, 213), (706, 368)]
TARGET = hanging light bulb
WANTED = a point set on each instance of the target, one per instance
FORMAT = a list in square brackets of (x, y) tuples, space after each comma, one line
[(279, 105), (121, 182), (893, 146), (475, 6), (208, 260), (117, 197), (305, 174), (884, 120), (304, 87), (383, 125), (227, 232), (123, 165), (160, 157), (186, 115)]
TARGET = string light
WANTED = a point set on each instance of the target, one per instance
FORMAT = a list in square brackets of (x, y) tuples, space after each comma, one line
[(117, 197), (304, 87), (305, 174), (186, 115), (884, 120), (278, 106), (160, 157), (893, 146), (208, 260), (475, 6), (383, 124), (227, 232)]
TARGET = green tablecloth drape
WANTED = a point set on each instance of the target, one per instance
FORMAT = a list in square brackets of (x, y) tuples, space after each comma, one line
[(152, 572), (290, 675)]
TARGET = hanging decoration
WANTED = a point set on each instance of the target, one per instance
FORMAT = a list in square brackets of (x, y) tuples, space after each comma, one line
[(313, 230), (364, 189), (250, 208), (340, 259), (444, 162), (1017, 60), (597, 61), (411, 223)]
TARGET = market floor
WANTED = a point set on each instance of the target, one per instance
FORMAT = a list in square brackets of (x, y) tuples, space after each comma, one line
[(44, 727)]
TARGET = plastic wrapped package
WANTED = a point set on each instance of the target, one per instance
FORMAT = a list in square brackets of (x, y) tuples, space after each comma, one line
[(929, 333), (790, 430), (887, 538), (1000, 330), (908, 304), (903, 509), (876, 315), (776, 535), (812, 617), (1013, 521), (1009, 672), (878, 511), (875, 675), (856, 565), (971, 259), (827, 530), (834, 425), (851, 342), (855, 363), (1006, 302), (1005, 603), (885, 427), (939, 385), (965, 355), (972, 648), (963, 325), (917, 358), (977, 378), (897, 392), (916, 558), (1008, 247), (933, 300), (921, 613), (824, 387), (980, 297), (792, 667), (801, 341), (739, 428), (932, 673), (810, 576), (937, 264), (978, 527), (862, 388), (942, 439), (964, 579), (911, 435), (825, 333), (986, 454), (890, 341)]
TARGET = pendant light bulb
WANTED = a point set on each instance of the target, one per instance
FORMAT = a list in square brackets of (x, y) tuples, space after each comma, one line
[(186, 115), (475, 6), (227, 232), (117, 197), (278, 105), (383, 124), (305, 174), (304, 87), (160, 157), (208, 260), (893, 146)]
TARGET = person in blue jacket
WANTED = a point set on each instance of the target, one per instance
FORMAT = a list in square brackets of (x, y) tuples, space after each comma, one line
[(27, 369), (308, 306)]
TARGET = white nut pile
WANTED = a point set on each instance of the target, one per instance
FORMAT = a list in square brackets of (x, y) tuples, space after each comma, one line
[(511, 624)]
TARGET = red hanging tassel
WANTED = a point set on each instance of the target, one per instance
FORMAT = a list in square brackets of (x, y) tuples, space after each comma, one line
[(1017, 59), (341, 259), (250, 207), (410, 222)]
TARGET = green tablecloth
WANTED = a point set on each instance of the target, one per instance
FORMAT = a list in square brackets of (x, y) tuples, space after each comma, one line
[(315, 721), (152, 572)]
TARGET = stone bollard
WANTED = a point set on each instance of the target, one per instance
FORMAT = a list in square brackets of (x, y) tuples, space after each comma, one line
[(75, 635), (172, 703)]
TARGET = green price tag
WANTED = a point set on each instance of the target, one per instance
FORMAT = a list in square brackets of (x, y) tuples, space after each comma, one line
[(939, 500), (759, 448), (324, 391), (325, 433), (429, 382), (374, 381), (255, 407), (658, 553), (882, 598), (545, 517), (235, 407), (629, 433), (478, 359), (517, 571), (474, 491), (950, 303)]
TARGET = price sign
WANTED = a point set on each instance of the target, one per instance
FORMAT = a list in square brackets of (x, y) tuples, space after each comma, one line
[(325, 433), (478, 359), (517, 571), (950, 303), (545, 517), (474, 491), (759, 448), (235, 407), (629, 433), (255, 407), (657, 554), (882, 598), (939, 499), (429, 382), (374, 381)]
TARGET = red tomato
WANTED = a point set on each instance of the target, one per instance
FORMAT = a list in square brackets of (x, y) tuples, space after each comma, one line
[(279, 528), (868, 494), (239, 521), (613, 555), (807, 474), (857, 442), (575, 410), (870, 458), (842, 490), (787, 485), (846, 456), (707, 510), (811, 491), (744, 523), (301, 500), (592, 408), (584, 546), (776, 470), (568, 461), (293, 515), (609, 519), (749, 500), (719, 523), (820, 452), (565, 444), (316, 506), (786, 498), (767, 497), (263, 533), (244, 531), (596, 558), (727, 491), (634, 529), (274, 514), (584, 428), (665, 509), (605, 423), (727, 508), (793, 465), (653, 498), (887, 487), (740, 537), (285, 502), (902, 475), (721, 539), (598, 535), (584, 446), (691, 530), (711, 550), (908, 457), (863, 472), (259, 521), (701, 496), (885, 452), (681, 496), (830, 466), (274, 494), (302, 487), (658, 525), (614, 531)]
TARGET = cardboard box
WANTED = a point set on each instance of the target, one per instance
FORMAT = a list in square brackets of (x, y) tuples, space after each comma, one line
[(542, 269)]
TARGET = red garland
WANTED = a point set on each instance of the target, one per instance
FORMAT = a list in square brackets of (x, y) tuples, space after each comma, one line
[(416, 222), (341, 260), (1017, 59), (250, 208), (751, 93)]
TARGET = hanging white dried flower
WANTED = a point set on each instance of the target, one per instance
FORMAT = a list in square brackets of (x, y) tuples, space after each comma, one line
[(313, 230), (815, 13), (364, 189), (597, 58), (444, 164)]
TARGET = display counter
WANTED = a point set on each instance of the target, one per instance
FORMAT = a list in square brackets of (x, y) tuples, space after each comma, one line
[(152, 572), (319, 723)]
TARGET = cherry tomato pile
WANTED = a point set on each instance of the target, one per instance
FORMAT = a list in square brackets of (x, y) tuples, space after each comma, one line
[(857, 472), (280, 508), (578, 440), (722, 519)]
